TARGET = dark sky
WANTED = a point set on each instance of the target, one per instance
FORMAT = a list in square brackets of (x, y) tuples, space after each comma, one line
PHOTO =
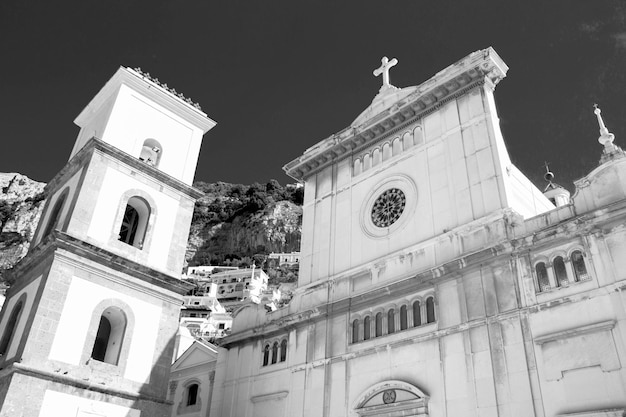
[(279, 76)]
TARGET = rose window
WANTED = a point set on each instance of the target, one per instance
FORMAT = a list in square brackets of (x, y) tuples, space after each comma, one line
[(388, 207)]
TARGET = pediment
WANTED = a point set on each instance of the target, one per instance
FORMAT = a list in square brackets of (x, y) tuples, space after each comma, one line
[(197, 354), (385, 99)]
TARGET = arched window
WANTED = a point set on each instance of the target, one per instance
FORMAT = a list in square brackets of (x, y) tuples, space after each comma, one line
[(430, 310), (266, 355), (135, 222), (275, 352), (192, 394), (560, 273), (578, 264), (355, 331), (366, 328), (404, 322), (10, 328), (417, 314), (55, 214), (151, 152), (391, 321), (379, 324), (542, 276), (283, 350), (110, 335)]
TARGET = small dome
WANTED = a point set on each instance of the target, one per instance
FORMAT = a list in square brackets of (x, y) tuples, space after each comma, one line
[(557, 194)]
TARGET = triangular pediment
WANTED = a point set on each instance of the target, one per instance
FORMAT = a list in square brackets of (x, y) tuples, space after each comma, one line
[(197, 354), (387, 97)]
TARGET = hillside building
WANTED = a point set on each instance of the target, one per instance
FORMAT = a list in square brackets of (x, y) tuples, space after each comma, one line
[(435, 278), (275, 260), (205, 271), (205, 317), (88, 327), (238, 285)]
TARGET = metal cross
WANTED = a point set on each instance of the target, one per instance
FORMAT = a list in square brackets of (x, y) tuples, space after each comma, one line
[(384, 70)]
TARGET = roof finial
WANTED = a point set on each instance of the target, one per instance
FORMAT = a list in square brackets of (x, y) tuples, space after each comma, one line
[(549, 175), (606, 138)]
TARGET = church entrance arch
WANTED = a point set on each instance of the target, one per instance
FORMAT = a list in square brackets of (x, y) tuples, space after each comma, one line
[(390, 399)]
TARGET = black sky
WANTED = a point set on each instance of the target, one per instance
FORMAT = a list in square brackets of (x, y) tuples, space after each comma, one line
[(279, 76)]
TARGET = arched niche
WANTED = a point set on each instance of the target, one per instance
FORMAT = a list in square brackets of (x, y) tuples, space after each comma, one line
[(367, 162), (396, 146), (386, 151), (357, 167), (401, 397), (376, 157)]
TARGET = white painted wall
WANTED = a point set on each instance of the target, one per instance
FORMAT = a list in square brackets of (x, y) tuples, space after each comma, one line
[(132, 118), (57, 404), (461, 172), (69, 340), (104, 223)]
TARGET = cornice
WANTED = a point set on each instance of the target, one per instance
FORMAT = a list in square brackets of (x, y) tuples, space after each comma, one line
[(148, 87), (479, 68), (59, 240), (424, 279), (96, 144), (82, 384), (596, 221)]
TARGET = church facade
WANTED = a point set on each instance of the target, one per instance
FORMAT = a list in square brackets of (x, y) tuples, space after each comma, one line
[(89, 324), (435, 278)]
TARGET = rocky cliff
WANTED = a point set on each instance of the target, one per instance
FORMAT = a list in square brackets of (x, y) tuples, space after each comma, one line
[(233, 224), (21, 203)]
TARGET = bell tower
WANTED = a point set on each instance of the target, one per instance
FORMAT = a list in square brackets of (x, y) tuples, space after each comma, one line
[(88, 325)]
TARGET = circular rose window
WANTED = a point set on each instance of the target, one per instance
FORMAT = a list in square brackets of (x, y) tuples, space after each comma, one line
[(388, 207)]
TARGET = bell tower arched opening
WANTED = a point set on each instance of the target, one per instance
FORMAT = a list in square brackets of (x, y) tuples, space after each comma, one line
[(151, 152), (135, 222)]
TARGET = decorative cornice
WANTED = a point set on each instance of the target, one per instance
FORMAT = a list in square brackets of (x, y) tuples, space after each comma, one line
[(269, 397), (476, 69), (150, 88), (427, 278), (577, 331), (167, 88), (60, 240), (82, 384), (134, 163)]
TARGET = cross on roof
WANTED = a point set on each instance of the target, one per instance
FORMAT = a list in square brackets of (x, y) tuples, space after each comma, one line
[(384, 70)]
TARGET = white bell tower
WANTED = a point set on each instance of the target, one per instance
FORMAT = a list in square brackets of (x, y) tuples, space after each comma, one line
[(89, 323)]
